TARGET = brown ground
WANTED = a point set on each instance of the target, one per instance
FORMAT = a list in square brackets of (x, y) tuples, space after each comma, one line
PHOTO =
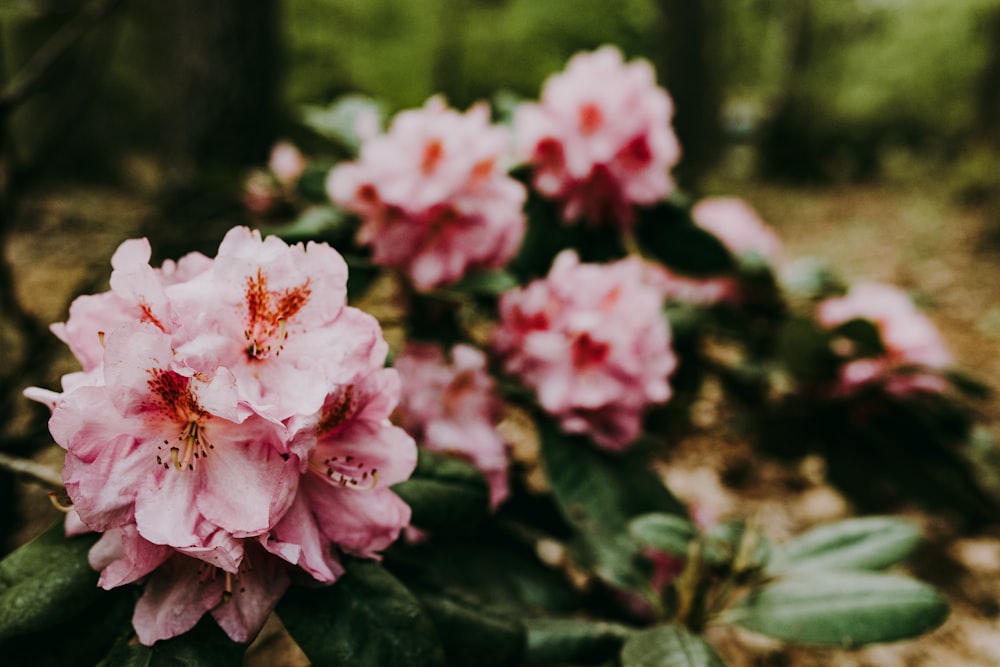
[(913, 237)]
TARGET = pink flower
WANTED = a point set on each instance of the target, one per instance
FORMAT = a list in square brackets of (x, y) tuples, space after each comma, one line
[(344, 499), (914, 349), (591, 341), (601, 139), (287, 164), (433, 196), (738, 226), (138, 294), (686, 289), (179, 590), (230, 426), (276, 317), (261, 195), (171, 450), (453, 407)]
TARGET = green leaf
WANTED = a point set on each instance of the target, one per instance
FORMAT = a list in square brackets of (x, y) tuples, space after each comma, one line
[(366, 618), (599, 493), (84, 638), (669, 533), (311, 185), (326, 222), (498, 572), (570, 640), (731, 544), (472, 635), (969, 385), (865, 336), (668, 233), (804, 349), (46, 581), (445, 493), (487, 282), (205, 645), (872, 543), (668, 646), (339, 121), (841, 609)]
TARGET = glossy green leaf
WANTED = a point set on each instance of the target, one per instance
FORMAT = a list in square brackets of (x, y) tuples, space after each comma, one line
[(669, 533), (871, 543), (841, 609), (84, 638), (570, 640), (498, 572), (667, 233), (668, 646), (445, 493), (599, 494), (46, 581), (474, 635), (367, 618), (205, 645), (340, 120)]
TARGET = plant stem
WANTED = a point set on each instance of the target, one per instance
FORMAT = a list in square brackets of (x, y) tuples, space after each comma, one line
[(36, 472)]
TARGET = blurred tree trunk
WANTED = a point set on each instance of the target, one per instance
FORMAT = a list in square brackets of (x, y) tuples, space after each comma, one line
[(988, 94), (788, 149), (216, 63), (687, 69), (447, 76)]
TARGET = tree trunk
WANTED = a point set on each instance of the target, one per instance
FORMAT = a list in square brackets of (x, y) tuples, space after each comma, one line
[(689, 73), (216, 63)]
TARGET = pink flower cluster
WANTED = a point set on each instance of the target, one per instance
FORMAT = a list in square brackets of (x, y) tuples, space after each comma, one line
[(914, 349), (433, 195), (601, 140), (737, 225), (741, 230), (265, 191), (591, 340), (453, 407), (229, 429)]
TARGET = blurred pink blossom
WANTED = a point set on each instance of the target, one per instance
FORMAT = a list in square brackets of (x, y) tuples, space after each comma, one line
[(741, 230), (286, 164), (738, 226), (687, 289), (433, 195), (600, 140), (914, 348), (592, 342), (453, 407), (230, 426)]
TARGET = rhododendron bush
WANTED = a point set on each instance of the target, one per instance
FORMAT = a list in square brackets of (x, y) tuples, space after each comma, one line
[(242, 440)]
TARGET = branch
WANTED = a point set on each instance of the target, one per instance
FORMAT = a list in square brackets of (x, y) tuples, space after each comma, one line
[(36, 472), (26, 81)]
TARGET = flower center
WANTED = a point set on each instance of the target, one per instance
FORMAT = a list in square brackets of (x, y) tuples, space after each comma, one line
[(174, 399), (338, 408), (587, 351), (591, 118), (346, 471), (268, 313), (433, 153)]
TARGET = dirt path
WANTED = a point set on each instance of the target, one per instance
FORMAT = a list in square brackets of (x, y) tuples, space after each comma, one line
[(917, 239)]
